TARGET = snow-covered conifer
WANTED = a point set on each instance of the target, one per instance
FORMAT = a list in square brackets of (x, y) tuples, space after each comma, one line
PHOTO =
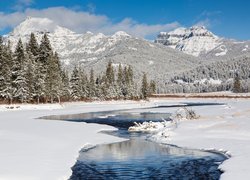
[(20, 89)]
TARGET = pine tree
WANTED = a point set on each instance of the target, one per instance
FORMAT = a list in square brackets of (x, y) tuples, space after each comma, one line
[(53, 78), (83, 84), (66, 85), (31, 69), (144, 87), (110, 76), (45, 50), (45, 53), (237, 85), (152, 87), (92, 85), (5, 73), (8, 73), (75, 85), (130, 74), (39, 89), (19, 82), (125, 83), (33, 46), (130, 83), (110, 88), (119, 82)]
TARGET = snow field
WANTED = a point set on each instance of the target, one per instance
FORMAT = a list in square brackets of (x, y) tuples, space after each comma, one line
[(45, 149), (37, 149)]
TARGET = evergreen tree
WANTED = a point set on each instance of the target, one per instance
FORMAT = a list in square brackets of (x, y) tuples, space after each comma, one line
[(152, 87), (7, 71), (110, 89), (33, 46), (75, 85), (19, 81), (31, 69), (83, 84), (119, 82), (53, 78), (45, 50), (130, 83), (100, 87), (130, 75), (125, 83), (92, 85), (237, 85), (4, 70), (45, 54), (110, 76), (144, 87), (65, 84)]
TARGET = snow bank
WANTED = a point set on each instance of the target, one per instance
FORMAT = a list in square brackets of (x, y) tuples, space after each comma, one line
[(225, 128), (45, 149), (151, 126), (14, 107)]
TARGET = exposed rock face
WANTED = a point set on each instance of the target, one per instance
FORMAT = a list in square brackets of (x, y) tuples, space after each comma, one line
[(198, 41)]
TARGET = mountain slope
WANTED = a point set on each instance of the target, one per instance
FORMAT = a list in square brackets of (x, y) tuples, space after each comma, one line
[(95, 50), (200, 42)]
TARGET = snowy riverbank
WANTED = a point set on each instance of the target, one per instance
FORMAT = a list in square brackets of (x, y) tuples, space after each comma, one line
[(225, 128), (43, 149)]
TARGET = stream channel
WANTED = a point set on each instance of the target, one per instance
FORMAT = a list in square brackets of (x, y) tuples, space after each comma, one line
[(137, 157)]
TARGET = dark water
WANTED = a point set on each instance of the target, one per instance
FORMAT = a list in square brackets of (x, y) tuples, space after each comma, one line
[(120, 119), (188, 104), (139, 158)]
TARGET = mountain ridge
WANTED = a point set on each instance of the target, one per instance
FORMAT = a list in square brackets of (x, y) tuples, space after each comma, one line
[(96, 50), (161, 62), (200, 42)]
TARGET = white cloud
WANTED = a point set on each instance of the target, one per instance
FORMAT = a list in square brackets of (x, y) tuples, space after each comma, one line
[(81, 21), (91, 7), (21, 4), (205, 22), (208, 18)]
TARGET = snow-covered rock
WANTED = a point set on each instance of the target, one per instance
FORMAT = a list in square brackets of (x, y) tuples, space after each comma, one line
[(198, 41), (70, 45), (151, 126), (194, 41)]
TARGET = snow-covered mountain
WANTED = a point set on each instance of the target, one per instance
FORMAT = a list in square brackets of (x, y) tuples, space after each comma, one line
[(198, 41), (175, 53), (95, 50), (70, 45)]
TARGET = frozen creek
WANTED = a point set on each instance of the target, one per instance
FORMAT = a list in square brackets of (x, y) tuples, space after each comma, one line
[(138, 157)]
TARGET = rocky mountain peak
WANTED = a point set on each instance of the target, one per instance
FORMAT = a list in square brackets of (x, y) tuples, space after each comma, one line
[(195, 40), (38, 25)]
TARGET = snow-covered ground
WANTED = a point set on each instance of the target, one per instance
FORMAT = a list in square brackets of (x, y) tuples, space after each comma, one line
[(224, 128), (33, 148)]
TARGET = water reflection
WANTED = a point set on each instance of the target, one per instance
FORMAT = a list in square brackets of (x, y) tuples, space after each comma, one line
[(142, 159), (138, 158), (119, 119), (137, 149)]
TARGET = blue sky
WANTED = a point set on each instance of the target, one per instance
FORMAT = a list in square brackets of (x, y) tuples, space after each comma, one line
[(143, 18)]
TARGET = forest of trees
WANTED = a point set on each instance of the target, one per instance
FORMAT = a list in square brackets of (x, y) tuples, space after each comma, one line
[(33, 73), (231, 75)]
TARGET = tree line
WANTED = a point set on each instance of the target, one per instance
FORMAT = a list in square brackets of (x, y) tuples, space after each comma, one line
[(232, 75), (33, 73)]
